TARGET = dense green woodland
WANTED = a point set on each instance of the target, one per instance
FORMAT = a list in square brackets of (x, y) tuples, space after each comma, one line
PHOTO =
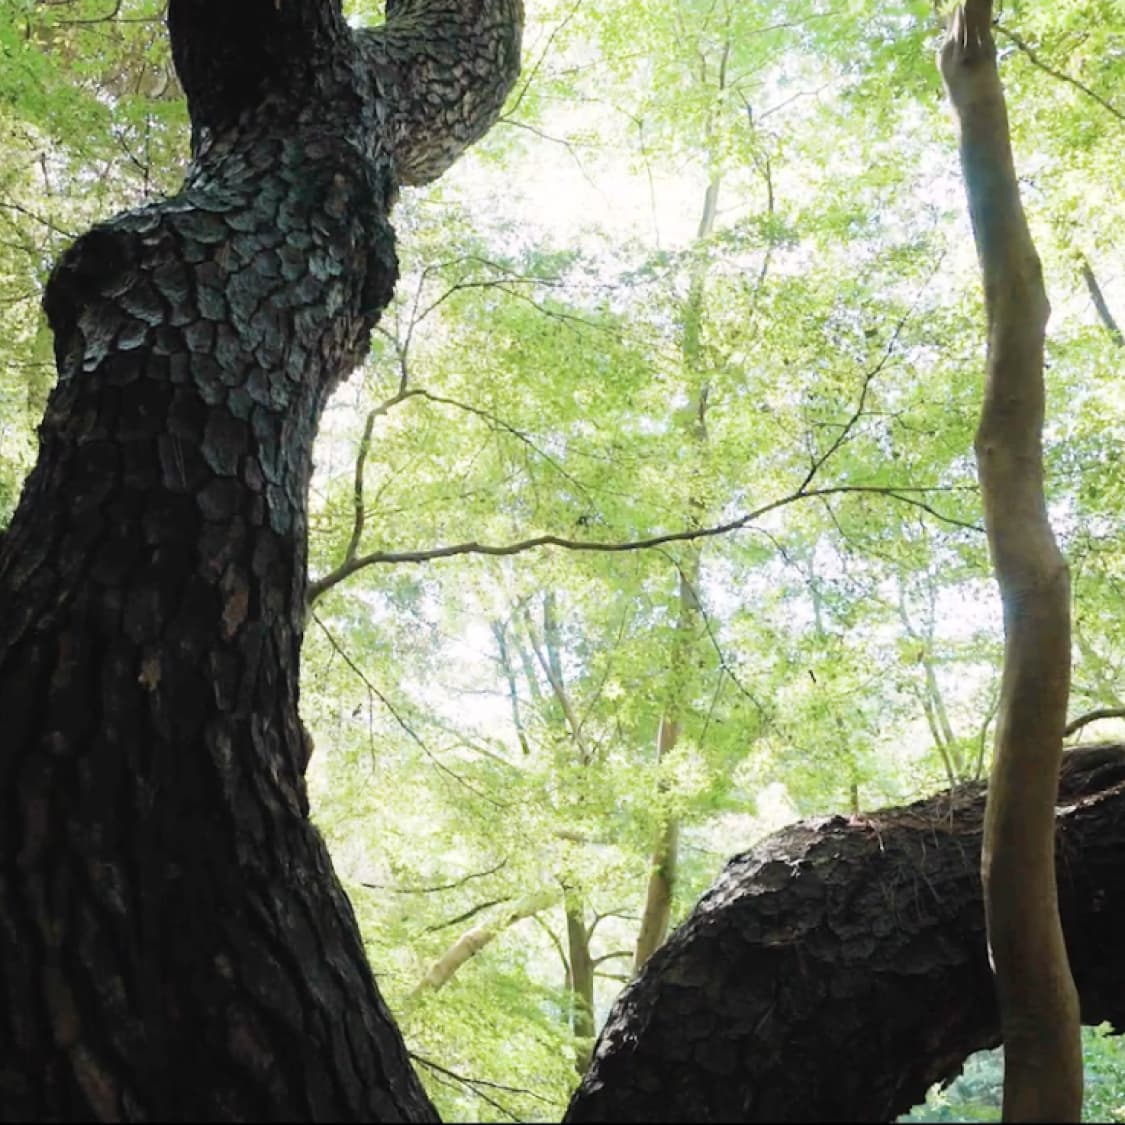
[(702, 310)]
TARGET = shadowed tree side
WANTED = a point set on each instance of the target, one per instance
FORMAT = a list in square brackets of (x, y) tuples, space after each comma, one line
[(173, 940), (1038, 1003), (838, 969)]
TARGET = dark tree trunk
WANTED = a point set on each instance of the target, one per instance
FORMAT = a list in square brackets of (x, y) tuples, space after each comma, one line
[(840, 968), (173, 940)]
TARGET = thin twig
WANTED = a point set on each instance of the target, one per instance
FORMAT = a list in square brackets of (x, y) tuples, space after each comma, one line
[(1036, 61), (457, 883), (903, 494), (406, 727)]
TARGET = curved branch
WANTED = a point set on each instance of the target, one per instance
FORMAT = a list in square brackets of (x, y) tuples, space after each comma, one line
[(1033, 58), (442, 69), (839, 968), (904, 495), (1075, 725)]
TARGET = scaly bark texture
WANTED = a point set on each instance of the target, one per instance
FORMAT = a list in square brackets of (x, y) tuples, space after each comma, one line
[(173, 940), (1038, 1004), (838, 969)]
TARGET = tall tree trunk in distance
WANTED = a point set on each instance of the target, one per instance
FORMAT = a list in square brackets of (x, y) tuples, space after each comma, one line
[(664, 859), (845, 746), (1096, 295), (840, 968), (1038, 1003), (930, 695), (581, 981), (174, 943)]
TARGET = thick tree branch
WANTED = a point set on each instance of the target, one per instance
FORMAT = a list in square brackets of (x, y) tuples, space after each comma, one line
[(237, 58), (470, 943), (442, 68), (839, 968)]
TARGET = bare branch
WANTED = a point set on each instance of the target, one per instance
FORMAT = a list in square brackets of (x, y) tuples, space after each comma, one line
[(441, 1074), (846, 430), (440, 886), (479, 1081), (538, 64), (903, 494), (1033, 58), (1076, 725), (465, 915)]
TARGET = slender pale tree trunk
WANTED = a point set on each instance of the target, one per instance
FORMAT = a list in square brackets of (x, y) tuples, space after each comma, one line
[(930, 694), (1038, 1003), (1109, 323), (846, 748)]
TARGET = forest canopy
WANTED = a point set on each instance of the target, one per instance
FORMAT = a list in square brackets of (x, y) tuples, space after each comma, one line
[(649, 524)]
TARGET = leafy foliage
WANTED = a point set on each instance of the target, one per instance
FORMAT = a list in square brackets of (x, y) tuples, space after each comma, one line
[(975, 1095), (712, 268)]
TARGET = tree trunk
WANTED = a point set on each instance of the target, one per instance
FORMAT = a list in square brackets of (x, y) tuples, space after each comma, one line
[(174, 942), (838, 969), (1038, 1003), (580, 981)]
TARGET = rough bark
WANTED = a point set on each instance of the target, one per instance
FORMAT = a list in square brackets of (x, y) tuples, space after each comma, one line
[(173, 940), (838, 969), (1038, 1003)]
